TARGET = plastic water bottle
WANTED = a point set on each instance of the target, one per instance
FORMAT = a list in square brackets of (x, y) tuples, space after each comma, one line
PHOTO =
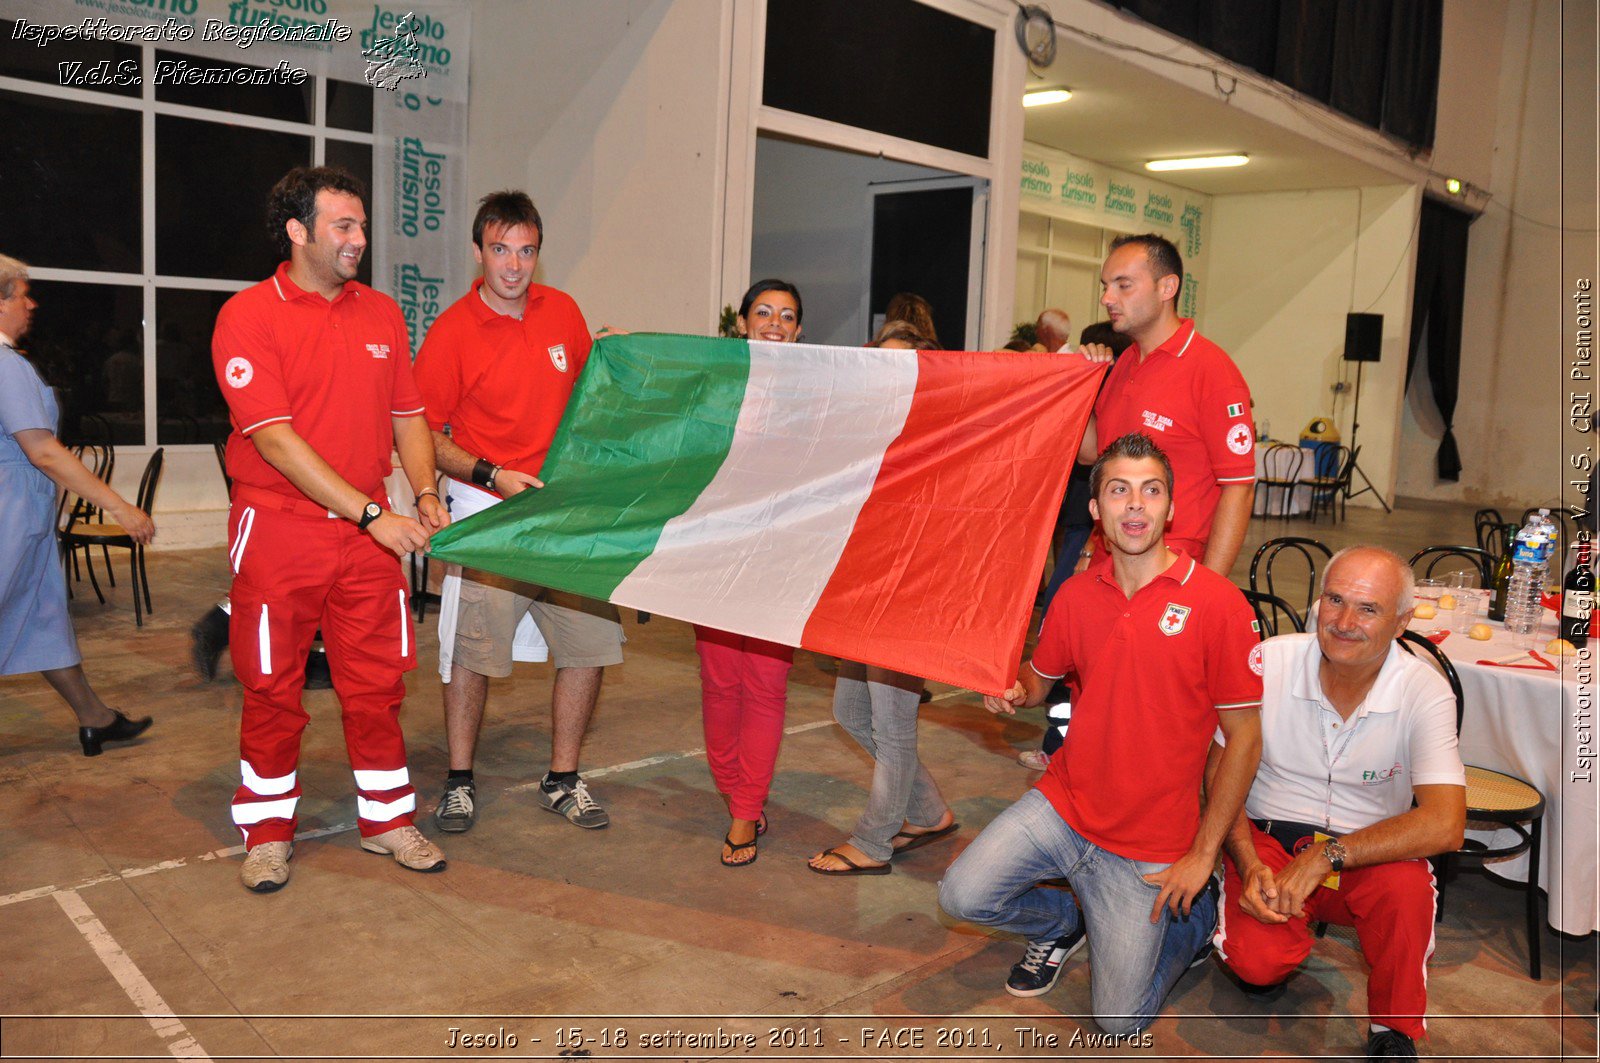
[(1530, 565)]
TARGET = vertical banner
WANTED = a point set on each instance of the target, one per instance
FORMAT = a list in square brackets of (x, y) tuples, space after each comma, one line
[(414, 54)]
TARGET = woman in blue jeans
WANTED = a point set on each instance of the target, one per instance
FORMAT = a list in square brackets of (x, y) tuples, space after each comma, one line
[(879, 710)]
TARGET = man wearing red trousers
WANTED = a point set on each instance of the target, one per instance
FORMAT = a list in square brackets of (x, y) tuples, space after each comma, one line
[(1352, 729), (316, 370)]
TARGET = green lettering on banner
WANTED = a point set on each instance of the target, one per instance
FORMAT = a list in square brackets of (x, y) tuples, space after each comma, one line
[(419, 296), (1158, 208), (419, 188), (1191, 295), (1119, 199), (1189, 221), (430, 33)]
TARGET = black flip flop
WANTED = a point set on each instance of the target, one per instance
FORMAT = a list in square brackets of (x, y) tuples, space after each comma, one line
[(921, 838), (853, 868), (738, 847)]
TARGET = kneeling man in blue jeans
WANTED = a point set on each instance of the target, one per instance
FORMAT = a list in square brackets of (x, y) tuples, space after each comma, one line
[(1166, 652)]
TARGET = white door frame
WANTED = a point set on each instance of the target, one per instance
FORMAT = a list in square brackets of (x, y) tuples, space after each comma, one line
[(972, 341)]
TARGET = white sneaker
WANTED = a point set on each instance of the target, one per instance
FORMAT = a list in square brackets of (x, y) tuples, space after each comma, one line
[(1034, 759), (266, 867), (408, 847)]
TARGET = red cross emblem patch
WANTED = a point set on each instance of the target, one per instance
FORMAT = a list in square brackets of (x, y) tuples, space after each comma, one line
[(238, 372), (1173, 618), (1241, 438)]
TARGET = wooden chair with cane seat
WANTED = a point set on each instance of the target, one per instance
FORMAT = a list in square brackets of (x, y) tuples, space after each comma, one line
[(1489, 527), (82, 533), (1496, 799)]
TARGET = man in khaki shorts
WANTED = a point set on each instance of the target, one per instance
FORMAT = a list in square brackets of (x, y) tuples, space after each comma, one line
[(497, 368)]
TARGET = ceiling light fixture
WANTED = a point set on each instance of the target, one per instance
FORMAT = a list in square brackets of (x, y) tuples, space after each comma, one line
[(1208, 162), (1044, 97)]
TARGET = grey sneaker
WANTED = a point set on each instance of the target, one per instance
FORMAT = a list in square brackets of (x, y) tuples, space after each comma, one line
[(408, 847), (573, 801), (458, 808), (266, 867)]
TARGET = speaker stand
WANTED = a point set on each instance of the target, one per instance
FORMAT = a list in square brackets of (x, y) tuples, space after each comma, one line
[(1356, 470)]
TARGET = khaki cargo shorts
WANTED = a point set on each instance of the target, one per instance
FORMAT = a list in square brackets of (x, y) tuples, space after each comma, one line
[(581, 632)]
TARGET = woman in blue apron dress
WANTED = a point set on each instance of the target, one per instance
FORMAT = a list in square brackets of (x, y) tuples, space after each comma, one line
[(35, 632)]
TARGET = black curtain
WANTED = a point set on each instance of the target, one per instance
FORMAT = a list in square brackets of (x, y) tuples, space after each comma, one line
[(1436, 305), (1411, 89), (1375, 60), (1243, 31), (1360, 50)]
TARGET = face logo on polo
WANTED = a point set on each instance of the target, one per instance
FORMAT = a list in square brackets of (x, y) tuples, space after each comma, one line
[(558, 357), (1241, 438), (1382, 775), (1173, 619), (1156, 421), (1257, 665), (238, 372), (378, 350)]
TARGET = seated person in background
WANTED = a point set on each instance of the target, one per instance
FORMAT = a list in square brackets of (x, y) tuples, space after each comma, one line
[(1163, 647), (1054, 330), (1353, 728)]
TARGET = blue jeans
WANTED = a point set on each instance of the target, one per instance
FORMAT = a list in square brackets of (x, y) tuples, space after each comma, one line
[(1066, 560), (1134, 962)]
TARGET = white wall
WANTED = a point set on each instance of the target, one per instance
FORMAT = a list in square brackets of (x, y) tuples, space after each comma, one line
[(1286, 267), (812, 225), (1515, 328), (612, 117)]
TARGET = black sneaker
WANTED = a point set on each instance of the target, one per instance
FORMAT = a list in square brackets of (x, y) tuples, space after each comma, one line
[(1390, 1044), (1264, 994), (457, 810), (318, 676), (1041, 964), (210, 635), (573, 801)]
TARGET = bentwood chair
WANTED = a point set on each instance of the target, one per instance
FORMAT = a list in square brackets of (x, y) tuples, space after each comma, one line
[(1477, 562), (1276, 616), (1490, 529), (1292, 552), (1328, 492), (1495, 799), (1281, 468), (106, 535)]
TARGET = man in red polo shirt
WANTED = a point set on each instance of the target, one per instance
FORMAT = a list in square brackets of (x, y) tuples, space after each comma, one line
[(316, 370), (1184, 392), (497, 369), (1163, 650)]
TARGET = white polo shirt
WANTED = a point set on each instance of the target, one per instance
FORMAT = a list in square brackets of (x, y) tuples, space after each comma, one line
[(1346, 775)]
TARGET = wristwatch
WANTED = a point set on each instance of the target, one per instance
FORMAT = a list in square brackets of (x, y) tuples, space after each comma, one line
[(1335, 853), (369, 513)]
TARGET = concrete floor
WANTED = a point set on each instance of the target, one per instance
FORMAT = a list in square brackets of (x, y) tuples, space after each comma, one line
[(120, 901)]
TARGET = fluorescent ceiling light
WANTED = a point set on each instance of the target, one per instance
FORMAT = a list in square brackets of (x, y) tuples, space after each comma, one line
[(1045, 96), (1208, 162)]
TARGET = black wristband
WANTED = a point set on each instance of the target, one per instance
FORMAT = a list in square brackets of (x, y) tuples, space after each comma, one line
[(483, 473)]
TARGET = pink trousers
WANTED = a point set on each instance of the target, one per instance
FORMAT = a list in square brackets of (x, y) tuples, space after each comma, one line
[(743, 685)]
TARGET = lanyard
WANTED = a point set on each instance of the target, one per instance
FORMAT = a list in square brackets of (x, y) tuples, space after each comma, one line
[(1331, 758)]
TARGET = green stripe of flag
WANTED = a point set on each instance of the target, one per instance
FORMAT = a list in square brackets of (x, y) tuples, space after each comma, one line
[(641, 439)]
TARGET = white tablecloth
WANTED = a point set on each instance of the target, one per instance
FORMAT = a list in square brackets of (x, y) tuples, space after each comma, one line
[(1526, 723), (1269, 500)]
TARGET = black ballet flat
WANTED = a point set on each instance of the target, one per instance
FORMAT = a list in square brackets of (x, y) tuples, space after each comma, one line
[(120, 730)]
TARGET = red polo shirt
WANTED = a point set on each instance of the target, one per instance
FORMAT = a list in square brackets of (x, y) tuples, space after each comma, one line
[(1154, 672), (336, 371), (1192, 400), (499, 383)]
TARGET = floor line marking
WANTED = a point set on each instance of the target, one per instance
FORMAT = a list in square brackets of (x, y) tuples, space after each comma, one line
[(144, 996), (341, 828)]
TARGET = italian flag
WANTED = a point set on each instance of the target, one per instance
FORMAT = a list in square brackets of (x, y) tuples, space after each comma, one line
[(889, 507)]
